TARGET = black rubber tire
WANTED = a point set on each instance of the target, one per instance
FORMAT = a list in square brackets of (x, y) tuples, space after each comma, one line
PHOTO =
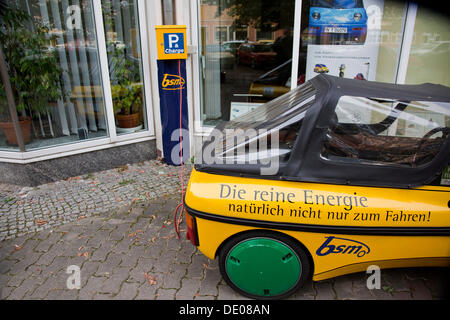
[(302, 256)]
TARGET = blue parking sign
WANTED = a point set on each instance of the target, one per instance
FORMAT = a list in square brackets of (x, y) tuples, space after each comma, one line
[(173, 43)]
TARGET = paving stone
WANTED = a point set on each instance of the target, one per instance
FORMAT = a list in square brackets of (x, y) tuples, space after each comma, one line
[(166, 294), (189, 289), (91, 288), (114, 283), (324, 290), (128, 291), (106, 267), (211, 280), (172, 280), (419, 290), (146, 291)]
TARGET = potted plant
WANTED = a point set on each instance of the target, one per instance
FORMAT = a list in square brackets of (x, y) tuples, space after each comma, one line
[(127, 101), (33, 69), (126, 90)]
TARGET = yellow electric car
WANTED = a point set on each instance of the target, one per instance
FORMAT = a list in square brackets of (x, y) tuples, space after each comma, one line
[(321, 68), (328, 179)]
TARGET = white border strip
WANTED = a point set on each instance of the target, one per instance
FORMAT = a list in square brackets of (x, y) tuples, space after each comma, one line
[(107, 97), (146, 70), (408, 35), (296, 44)]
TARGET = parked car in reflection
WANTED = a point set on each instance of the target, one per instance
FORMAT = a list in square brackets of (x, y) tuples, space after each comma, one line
[(266, 41), (218, 52), (232, 46), (256, 54)]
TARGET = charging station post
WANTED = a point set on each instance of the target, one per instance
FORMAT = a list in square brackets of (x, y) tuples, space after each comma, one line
[(172, 54)]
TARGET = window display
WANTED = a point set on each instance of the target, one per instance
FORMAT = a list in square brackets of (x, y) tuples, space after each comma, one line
[(245, 55), (357, 39), (337, 21), (53, 58), (51, 51), (341, 38)]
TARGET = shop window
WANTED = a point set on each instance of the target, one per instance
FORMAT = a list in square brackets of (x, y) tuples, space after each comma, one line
[(387, 132), (430, 50), (240, 63), (356, 39), (53, 64), (121, 23)]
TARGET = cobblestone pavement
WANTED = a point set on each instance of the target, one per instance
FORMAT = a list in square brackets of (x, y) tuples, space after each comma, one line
[(28, 209), (116, 226)]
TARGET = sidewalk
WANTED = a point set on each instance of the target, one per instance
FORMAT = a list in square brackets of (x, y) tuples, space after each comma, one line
[(116, 226), (27, 209)]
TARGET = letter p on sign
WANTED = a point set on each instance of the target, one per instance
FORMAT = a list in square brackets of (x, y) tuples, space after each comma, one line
[(173, 39)]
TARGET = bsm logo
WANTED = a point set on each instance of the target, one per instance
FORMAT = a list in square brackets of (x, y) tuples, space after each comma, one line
[(172, 82), (342, 246)]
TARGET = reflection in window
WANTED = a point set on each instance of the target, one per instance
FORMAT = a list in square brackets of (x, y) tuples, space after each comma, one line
[(430, 50), (382, 131), (51, 51), (241, 44)]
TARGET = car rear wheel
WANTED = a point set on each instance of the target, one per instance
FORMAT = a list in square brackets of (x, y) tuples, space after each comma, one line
[(264, 265)]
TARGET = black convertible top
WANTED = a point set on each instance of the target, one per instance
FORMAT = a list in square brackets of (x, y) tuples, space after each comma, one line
[(363, 88), (305, 162)]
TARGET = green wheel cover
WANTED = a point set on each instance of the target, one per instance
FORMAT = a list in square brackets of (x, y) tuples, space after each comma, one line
[(263, 267)]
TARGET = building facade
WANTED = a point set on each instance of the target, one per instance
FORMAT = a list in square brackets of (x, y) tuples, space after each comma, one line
[(84, 74)]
